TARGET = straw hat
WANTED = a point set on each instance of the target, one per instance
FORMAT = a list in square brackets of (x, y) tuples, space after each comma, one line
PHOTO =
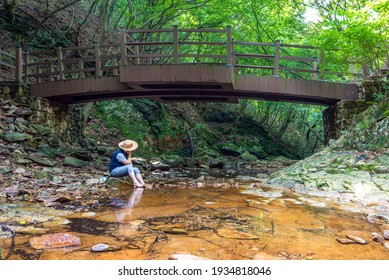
[(128, 145)]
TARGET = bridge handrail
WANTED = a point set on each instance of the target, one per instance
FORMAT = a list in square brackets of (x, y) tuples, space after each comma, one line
[(177, 46)]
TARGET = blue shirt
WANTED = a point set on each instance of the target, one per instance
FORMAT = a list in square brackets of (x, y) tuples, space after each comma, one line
[(117, 159)]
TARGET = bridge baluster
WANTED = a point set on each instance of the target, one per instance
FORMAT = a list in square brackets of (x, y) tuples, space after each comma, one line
[(314, 68), (97, 61), (276, 68), (60, 63), (230, 47), (123, 46), (19, 64), (175, 43)]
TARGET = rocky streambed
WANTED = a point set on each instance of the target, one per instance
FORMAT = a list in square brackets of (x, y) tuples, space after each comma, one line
[(62, 207)]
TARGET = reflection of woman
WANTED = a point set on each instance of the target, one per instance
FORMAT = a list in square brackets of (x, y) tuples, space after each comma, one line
[(121, 164)]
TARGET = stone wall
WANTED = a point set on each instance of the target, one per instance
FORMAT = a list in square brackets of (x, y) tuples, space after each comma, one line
[(339, 117), (27, 117), (369, 89)]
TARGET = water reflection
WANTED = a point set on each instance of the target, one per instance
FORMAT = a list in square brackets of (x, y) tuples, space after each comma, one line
[(125, 214)]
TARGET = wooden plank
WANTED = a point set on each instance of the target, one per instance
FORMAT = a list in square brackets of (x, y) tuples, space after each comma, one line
[(123, 47), (3, 52), (201, 43), (110, 45), (254, 44), (7, 65), (77, 59), (110, 56), (298, 70), (78, 48), (52, 52), (11, 78), (254, 66), (254, 55), (176, 45), (110, 67), (297, 58), (148, 31), (276, 59), (203, 56), (72, 71), (42, 63), (60, 63), (203, 30), (298, 46), (151, 43), (42, 75), (19, 64), (149, 55)]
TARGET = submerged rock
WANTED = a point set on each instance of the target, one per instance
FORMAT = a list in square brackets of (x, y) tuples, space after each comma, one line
[(235, 234), (55, 240)]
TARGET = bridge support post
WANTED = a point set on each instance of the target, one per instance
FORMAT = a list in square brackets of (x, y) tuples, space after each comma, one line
[(230, 45), (123, 46), (276, 68), (175, 44), (60, 63), (19, 64)]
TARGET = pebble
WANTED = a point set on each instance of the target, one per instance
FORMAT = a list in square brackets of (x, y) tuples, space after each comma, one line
[(100, 247), (386, 234)]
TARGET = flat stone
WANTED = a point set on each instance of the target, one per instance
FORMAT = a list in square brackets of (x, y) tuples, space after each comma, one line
[(42, 161), (55, 240), (42, 130), (345, 241), (235, 234), (357, 239), (75, 162), (16, 136)]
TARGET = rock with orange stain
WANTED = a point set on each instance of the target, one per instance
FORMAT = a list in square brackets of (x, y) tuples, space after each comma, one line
[(55, 240), (235, 234)]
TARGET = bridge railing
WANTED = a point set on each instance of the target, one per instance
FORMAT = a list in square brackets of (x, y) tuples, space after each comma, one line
[(72, 63), (174, 46), (169, 46), (11, 65)]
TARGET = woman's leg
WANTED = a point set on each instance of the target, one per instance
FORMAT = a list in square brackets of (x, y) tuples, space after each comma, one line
[(124, 171), (131, 172), (120, 171), (138, 176)]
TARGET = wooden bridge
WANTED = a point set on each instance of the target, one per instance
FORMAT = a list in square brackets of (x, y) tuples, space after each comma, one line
[(179, 65)]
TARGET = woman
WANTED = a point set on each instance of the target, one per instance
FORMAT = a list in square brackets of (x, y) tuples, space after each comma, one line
[(121, 164)]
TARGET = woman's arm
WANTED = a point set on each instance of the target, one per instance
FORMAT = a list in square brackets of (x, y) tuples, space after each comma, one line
[(122, 159)]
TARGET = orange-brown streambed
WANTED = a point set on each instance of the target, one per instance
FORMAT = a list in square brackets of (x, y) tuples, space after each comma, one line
[(209, 222)]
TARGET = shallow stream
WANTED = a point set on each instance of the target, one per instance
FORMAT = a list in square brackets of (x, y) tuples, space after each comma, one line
[(179, 220)]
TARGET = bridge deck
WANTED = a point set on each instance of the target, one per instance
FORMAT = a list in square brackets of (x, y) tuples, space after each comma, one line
[(193, 83)]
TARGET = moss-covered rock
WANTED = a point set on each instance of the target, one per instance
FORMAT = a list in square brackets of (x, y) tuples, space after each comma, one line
[(75, 162), (247, 156)]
